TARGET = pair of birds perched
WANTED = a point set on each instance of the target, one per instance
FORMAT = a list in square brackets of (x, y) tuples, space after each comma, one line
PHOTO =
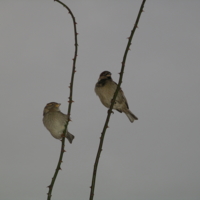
[(54, 120)]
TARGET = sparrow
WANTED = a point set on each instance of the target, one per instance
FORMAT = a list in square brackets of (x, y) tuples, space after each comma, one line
[(54, 120), (105, 89)]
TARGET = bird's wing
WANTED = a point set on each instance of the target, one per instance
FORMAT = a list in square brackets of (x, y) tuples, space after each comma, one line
[(121, 97)]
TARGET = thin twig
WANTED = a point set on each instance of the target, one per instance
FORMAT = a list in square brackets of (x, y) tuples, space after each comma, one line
[(70, 103), (112, 103)]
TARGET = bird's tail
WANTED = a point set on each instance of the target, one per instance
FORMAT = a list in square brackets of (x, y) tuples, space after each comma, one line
[(130, 115), (70, 137)]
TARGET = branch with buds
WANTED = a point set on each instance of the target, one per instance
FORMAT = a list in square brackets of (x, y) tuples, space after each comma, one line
[(112, 103), (70, 102)]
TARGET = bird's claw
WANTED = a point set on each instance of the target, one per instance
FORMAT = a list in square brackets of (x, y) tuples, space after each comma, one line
[(111, 111)]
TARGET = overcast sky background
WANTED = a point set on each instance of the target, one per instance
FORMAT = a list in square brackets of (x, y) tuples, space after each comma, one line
[(156, 157)]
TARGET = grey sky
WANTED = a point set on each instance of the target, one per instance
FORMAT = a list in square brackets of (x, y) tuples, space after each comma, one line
[(156, 157)]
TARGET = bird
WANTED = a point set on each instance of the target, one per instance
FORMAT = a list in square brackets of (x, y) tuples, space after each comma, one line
[(54, 120), (105, 89)]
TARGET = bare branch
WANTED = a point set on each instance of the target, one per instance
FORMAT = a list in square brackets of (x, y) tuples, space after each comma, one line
[(70, 102), (113, 100)]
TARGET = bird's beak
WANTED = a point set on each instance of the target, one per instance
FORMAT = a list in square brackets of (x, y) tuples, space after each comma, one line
[(58, 105)]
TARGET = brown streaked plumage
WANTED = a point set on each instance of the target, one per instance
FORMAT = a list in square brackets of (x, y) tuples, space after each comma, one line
[(105, 89)]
